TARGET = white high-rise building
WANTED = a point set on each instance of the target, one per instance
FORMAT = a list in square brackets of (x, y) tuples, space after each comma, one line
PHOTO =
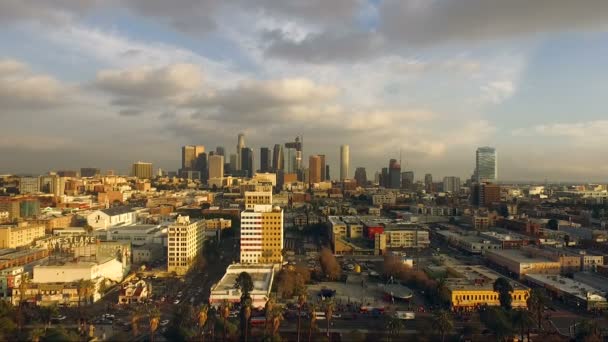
[(344, 162), (262, 234), (486, 165), (451, 184)]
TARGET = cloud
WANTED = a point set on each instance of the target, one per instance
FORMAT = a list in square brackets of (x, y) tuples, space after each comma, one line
[(584, 131), (259, 99), (21, 89), (150, 83), (432, 22), (48, 11)]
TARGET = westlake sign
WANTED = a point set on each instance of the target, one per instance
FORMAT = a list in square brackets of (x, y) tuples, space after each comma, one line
[(70, 242)]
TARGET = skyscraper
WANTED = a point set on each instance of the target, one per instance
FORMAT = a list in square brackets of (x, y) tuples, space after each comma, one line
[(189, 155), (247, 161), (220, 151), (314, 169), (327, 176), (486, 165), (323, 169), (239, 148), (233, 163), (451, 184), (265, 162), (89, 172), (202, 167), (384, 180), (344, 161), (290, 160), (361, 176), (407, 180), (278, 160), (394, 174), (142, 170), (216, 166), (298, 145), (428, 182)]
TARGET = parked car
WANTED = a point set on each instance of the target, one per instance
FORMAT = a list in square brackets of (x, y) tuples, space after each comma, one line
[(176, 301), (164, 322)]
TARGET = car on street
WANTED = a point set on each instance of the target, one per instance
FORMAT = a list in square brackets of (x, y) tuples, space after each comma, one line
[(164, 322), (336, 315), (176, 301), (57, 319)]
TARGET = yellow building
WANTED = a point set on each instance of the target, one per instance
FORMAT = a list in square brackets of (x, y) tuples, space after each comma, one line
[(469, 287), (262, 235), (22, 234), (185, 244), (257, 197)]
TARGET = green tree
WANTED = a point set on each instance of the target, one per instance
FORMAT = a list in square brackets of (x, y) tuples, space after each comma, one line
[(24, 286), (244, 283), (498, 321), (536, 303), (552, 224), (442, 321), (268, 309), (588, 331), (329, 264), (504, 289), (277, 318), (523, 320), (46, 313)]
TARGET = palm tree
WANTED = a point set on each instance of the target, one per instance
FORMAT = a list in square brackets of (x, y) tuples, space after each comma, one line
[(301, 302), (37, 333), (224, 313), (46, 313), (202, 319), (329, 311), (443, 323), (277, 317), (268, 308), (24, 285), (311, 311), (245, 284), (587, 330), (523, 320), (536, 302), (135, 316), (394, 326), (154, 319), (245, 316), (504, 288)]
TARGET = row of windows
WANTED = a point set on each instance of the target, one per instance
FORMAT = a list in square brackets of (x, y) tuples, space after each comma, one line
[(485, 297)]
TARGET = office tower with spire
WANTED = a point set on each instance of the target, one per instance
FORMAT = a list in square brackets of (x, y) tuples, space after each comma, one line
[(239, 147), (486, 165), (265, 160), (344, 162), (278, 160), (298, 145)]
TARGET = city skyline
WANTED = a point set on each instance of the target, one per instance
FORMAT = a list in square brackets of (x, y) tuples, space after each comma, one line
[(138, 82)]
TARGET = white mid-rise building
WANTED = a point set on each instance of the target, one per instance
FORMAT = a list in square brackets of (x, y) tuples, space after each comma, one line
[(185, 243), (262, 234)]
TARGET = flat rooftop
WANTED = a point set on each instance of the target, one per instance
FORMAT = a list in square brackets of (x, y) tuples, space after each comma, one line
[(262, 276), (567, 285), (476, 276), (519, 256)]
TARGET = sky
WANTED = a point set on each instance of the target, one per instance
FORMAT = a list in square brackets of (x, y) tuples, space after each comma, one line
[(107, 83)]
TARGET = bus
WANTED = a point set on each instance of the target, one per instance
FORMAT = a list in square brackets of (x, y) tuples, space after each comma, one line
[(319, 315), (258, 321)]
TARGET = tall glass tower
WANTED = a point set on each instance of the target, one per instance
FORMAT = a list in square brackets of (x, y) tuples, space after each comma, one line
[(486, 165)]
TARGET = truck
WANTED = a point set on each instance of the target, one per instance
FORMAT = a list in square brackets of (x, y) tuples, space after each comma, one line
[(405, 315)]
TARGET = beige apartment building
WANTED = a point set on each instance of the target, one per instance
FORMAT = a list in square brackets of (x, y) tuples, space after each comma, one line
[(185, 243), (21, 234), (262, 235), (253, 198)]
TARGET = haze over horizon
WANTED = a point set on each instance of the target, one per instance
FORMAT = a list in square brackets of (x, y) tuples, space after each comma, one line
[(105, 84)]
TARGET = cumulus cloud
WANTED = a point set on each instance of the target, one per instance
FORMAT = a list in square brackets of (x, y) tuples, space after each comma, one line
[(22, 89), (150, 83)]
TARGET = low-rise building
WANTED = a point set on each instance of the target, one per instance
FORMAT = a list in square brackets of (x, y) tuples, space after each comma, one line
[(382, 199), (134, 292), (574, 293), (112, 217), (470, 287), (521, 262), (262, 276), (469, 242)]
